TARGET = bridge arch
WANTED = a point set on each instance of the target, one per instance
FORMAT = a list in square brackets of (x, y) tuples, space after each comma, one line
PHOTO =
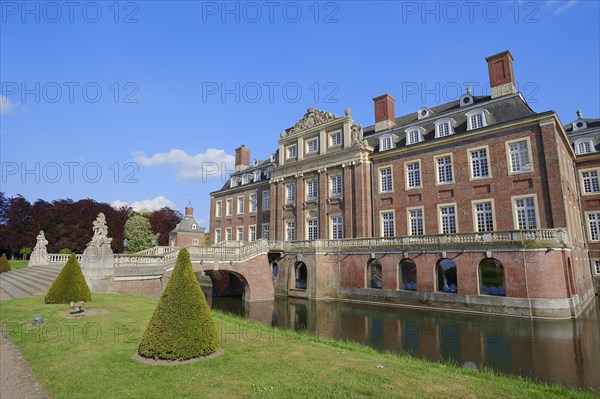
[(228, 283)]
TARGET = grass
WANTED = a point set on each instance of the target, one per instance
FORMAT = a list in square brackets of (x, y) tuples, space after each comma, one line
[(91, 357), (18, 264)]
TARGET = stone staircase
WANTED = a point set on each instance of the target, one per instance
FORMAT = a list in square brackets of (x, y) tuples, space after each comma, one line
[(29, 281)]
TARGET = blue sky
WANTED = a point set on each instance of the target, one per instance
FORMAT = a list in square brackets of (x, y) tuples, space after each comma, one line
[(144, 102)]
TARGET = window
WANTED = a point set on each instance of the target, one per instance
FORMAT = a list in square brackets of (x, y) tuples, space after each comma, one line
[(413, 175), (335, 139), (228, 234), (443, 128), (525, 213), (444, 169), (375, 274), (413, 136), (387, 224), (195, 241), (301, 276), (194, 227), (266, 231), (480, 167), (519, 156), (240, 205), (476, 119), (336, 185), (257, 175), (290, 231), (597, 266), (446, 276), (386, 143), (218, 209), (415, 222), (292, 151), (337, 228), (583, 147), (233, 182), (229, 207), (590, 181), (252, 203), (240, 234), (312, 146), (245, 179), (266, 200), (447, 219), (252, 233), (491, 274), (312, 188), (217, 236), (408, 273), (312, 229), (594, 226), (291, 193), (484, 216), (386, 180)]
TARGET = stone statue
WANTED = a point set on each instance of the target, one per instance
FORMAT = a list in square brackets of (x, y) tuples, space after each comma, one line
[(357, 134), (39, 255), (41, 242), (100, 232)]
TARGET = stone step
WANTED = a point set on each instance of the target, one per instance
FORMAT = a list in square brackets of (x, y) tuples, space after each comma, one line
[(41, 272), (39, 282), (29, 281), (16, 288)]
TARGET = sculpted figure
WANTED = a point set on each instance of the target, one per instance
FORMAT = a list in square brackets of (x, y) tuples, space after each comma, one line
[(100, 231)]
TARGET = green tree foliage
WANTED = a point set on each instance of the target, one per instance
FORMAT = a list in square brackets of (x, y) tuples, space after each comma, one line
[(69, 285), (182, 326), (138, 233), (25, 251), (65, 251), (4, 265)]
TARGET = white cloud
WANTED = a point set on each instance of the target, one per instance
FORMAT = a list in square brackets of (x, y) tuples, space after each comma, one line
[(563, 6), (5, 105), (210, 164), (147, 204)]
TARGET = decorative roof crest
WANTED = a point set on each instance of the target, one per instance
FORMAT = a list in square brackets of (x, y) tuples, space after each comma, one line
[(312, 118)]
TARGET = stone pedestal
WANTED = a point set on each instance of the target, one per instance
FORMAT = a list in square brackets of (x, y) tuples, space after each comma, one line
[(98, 267)]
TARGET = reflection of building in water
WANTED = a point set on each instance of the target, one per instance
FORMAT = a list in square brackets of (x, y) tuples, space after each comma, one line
[(471, 205)]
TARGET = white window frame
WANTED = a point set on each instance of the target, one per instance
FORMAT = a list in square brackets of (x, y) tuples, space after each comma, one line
[(257, 175), (588, 222), (336, 227), (228, 234), (218, 208), (582, 143), (290, 227), (252, 203), (449, 123), (229, 207), (240, 205), (409, 220), (386, 142), (194, 226), (312, 143), (509, 162), (312, 189), (239, 235), (413, 131), (391, 179), (476, 218), (436, 160), (335, 142), (312, 229), (332, 186), (594, 182), (218, 237), (382, 222), (290, 193), (441, 217), (266, 200), (596, 266), (513, 201), (291, 151), (470, 152), (407, 179), (482, 113), (266, 231), (252, 233), (195, 241)]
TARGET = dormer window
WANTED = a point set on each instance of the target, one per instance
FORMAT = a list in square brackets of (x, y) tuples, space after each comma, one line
[(268, 173), (584, 146), (245, 179), (233, 182), (476, 119), (194, 227), (444, 127), (465, 100), (414, 135), (257, 175), (424, 113), (292, 151), (579, 124), (386, 142)]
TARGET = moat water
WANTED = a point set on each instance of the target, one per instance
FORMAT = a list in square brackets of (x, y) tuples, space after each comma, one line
[(565, 352)]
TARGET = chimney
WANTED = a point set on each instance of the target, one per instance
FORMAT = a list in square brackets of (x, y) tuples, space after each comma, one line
[(189, 209), (384, 112), (242, 158), (502, 77)]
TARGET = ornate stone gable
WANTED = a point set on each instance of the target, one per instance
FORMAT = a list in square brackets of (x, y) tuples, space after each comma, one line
[(312, 118)]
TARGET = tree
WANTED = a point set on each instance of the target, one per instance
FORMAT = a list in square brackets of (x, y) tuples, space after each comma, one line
[(25, 251), (163, 221), (4, 265), (69, 285), (138, 233), (65, 251), (182, 326)]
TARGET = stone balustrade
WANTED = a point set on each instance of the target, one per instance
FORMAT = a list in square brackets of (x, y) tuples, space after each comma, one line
[(61, 258)]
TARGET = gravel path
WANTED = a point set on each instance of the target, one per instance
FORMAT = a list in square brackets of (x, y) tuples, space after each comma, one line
[(16, 379)]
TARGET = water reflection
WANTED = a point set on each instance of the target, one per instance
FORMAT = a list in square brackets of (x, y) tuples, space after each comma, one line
[(563, 351)]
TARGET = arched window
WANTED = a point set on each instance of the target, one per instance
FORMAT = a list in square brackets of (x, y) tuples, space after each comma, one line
[(275, 269), (408, 275), (301, 274), (491, 274), (446, 275), (374, 274)]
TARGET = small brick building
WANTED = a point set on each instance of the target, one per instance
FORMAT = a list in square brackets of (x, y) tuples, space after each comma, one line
[(188, 231)]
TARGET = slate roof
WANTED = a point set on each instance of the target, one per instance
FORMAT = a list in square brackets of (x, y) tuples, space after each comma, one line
[(591, 131), (186, 226)]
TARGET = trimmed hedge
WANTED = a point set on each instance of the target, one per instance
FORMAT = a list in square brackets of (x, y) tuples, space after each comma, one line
[(69, 285), (182, 326), (4, 265)]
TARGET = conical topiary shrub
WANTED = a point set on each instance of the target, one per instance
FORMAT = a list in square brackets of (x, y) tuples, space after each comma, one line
[(4, 265), (69, 285), (182, 326)]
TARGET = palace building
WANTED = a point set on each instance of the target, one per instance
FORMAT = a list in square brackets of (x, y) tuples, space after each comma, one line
[(478, 204)]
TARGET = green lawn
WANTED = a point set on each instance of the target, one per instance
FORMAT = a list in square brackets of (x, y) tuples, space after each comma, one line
[(91, 357), (18, 264)]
